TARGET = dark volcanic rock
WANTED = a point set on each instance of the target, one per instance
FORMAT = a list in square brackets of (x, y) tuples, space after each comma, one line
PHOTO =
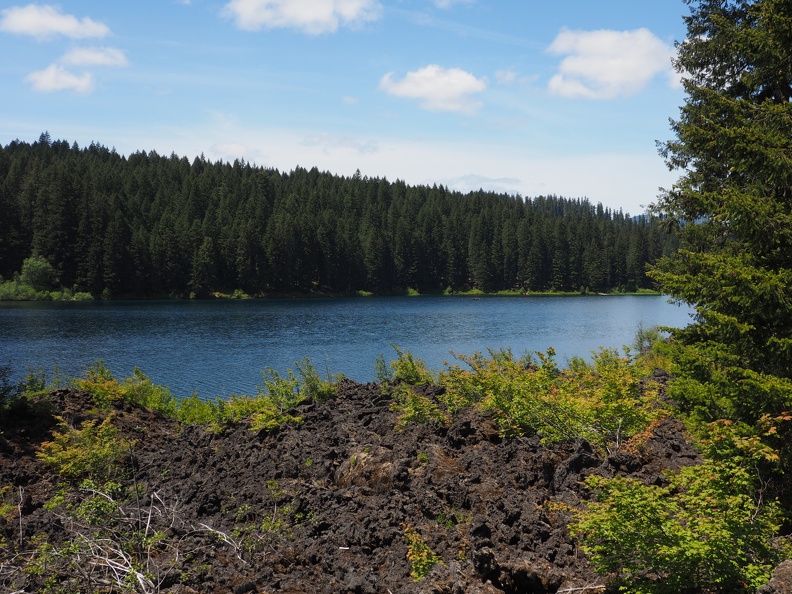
[(321, 507)]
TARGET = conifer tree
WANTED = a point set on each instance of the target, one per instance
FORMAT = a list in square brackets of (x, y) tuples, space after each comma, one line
[(734, 205)]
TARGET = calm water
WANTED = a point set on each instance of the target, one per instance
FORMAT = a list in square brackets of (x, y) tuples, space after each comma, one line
[(220, 347)]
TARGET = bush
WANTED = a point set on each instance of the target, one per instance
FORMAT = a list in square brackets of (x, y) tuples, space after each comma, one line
[(603, 402), (100, 383), (709, 529), (38, 274), (410, 370), (312, 386), (413, 407), (422, 558), (93, 451), (140, 390)]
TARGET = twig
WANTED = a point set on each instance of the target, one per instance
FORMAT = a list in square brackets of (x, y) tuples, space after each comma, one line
[(226, 539), (580, 589), (19, 509)]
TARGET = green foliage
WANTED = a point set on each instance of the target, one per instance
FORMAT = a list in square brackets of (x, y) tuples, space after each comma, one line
[(711, 528), (139, 389), (312, 386), (100, 507), (382, 373), (602, 402), (194, 410), (421, 557), (280, 394), (409, 370), (414, 407), (734, 147), (101, 384), (38, 274), (93, 451), (14, 290), (268, 409)]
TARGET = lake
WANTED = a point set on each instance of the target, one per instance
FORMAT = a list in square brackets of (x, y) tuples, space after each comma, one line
[(217, 348)]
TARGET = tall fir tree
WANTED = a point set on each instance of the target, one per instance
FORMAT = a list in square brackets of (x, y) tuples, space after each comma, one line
[(734, 205)]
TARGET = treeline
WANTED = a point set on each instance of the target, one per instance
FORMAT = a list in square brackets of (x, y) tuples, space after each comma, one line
[(148, 224)]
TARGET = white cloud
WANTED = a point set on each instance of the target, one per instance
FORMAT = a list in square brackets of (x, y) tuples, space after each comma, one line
[(310, 16), (607, 64), (437, 88), (450, 3), (328, 142), (505, 77), (94, 56), (45, 22), (472, 182), (231, 151), (349, 100), (57, 78)]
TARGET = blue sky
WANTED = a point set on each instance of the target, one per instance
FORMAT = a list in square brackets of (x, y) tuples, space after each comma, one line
[(565, 97)]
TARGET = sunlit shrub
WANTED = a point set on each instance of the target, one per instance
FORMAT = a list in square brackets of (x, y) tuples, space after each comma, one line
[(409, 370), (711, 528), (413, 407), (101, 384), (312, 385), (93, 451), (421, 557), (139, 389), (603, 402)]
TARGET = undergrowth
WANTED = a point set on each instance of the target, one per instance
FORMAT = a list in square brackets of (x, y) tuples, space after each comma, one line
[(604, 402), (267, 409), (710, 528)]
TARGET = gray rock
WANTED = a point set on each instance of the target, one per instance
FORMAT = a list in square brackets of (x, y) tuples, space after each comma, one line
[(781, 583)]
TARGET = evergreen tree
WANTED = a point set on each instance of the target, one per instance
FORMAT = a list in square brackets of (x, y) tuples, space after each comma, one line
[(149, 225), (734, 203)]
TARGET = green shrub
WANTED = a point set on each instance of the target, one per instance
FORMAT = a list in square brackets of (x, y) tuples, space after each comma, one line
[(709, 529), (139, 389), (382, 372), (409, 370), (38, 274), (14, 290), (413, 407), (100, 383), (93, 451), (421, 557), (312, 386), (603, 402), (200, 411)]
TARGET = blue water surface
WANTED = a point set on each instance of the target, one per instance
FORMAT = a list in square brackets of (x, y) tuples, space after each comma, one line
[(217, 348)]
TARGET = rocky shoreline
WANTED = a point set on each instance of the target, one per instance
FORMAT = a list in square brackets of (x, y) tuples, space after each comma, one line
[(329, 505)]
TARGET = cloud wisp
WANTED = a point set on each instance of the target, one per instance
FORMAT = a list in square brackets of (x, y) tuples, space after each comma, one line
[(56, 78), (437, 88), (313, 17), (94, 56), (446, 4), (44, 22), (607, 64)]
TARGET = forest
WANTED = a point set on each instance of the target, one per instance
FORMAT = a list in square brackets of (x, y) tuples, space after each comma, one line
[(148, 225)]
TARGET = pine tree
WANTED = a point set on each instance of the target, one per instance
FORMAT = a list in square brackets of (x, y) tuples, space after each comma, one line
[(734, 204)]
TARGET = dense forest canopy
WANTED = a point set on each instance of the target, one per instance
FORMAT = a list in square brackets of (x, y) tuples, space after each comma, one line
[(149, 224)]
